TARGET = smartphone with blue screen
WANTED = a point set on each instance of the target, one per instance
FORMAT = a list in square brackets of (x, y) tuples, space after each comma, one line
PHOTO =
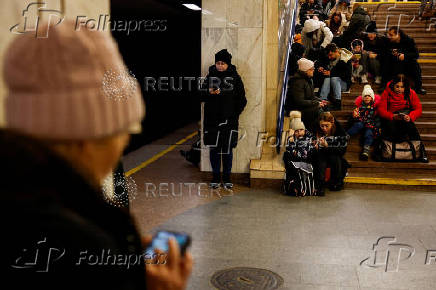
[(160, 241)]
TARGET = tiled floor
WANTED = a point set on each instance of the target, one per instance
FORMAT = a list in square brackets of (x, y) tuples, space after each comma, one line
[(312, 242)]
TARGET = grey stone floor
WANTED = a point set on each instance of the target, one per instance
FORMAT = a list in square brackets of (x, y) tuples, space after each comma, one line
[(316, 243)]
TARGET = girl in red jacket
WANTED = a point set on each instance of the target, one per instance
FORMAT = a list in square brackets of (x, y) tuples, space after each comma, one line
[(399, 108)]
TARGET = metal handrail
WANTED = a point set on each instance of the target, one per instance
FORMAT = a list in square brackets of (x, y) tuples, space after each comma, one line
[(284, 89)]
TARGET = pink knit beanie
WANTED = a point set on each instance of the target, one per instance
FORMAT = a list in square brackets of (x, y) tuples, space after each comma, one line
[(72, 85)]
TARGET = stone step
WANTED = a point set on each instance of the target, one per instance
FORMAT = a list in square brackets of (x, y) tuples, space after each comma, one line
[(427, 116), (348, 104), (424, 127), (356, 149), (371, 166), (391, 181), (429, 139)]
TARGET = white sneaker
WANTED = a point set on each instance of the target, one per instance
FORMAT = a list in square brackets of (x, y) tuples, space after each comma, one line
[(364, 79), (378, 80)]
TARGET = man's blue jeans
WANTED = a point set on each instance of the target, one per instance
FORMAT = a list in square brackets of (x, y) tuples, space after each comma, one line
[(368, 135), (336, 84)]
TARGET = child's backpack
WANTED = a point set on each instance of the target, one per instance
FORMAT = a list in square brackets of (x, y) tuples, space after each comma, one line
[(299, 179)]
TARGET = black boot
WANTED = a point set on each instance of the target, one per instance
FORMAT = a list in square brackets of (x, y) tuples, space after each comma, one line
[(336, 105), (424, 158), (365, 153)]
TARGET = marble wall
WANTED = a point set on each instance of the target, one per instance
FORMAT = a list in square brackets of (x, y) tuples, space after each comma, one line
[(11, 14), (239, 26)]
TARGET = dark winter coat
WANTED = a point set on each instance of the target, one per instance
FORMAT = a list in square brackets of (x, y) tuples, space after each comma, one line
[(338, 142), (45, 200), (300, 97), (343, 67), (406, 45), (299, 150), (376, 46), (221, 111)]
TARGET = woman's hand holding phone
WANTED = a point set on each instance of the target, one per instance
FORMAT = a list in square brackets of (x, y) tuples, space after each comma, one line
[(174, 273)]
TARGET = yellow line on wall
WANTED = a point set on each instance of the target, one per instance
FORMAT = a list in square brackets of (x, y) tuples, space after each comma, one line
[(159, 155), (399, 181)]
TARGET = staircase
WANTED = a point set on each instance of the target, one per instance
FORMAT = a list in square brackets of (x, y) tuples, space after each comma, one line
[(269, 170)]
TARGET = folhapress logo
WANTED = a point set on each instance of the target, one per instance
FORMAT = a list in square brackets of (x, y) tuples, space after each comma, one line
[(31, 22), (387, 253), (39, 258)]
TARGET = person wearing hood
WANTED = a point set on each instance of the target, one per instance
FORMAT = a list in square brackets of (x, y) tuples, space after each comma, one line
[(300, 95), (315, 36), (331, 145), (373, 44), (399, 108), (336, 69), (358, 22), (400, 56), (224, 98), (366, 120), (67, 124)]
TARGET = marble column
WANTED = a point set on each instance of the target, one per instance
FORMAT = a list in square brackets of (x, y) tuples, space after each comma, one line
[(11, 14), (239, 26)]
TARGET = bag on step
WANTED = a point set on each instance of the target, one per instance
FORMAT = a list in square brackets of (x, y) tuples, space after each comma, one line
[(404, 151), (299, 179)]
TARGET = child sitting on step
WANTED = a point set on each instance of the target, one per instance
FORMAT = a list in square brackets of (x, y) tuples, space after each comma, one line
[(366, 120), (359, 62), (298, 158)]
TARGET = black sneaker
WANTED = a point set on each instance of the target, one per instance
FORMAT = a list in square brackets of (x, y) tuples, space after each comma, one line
[(228, 185), (214, 185)]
